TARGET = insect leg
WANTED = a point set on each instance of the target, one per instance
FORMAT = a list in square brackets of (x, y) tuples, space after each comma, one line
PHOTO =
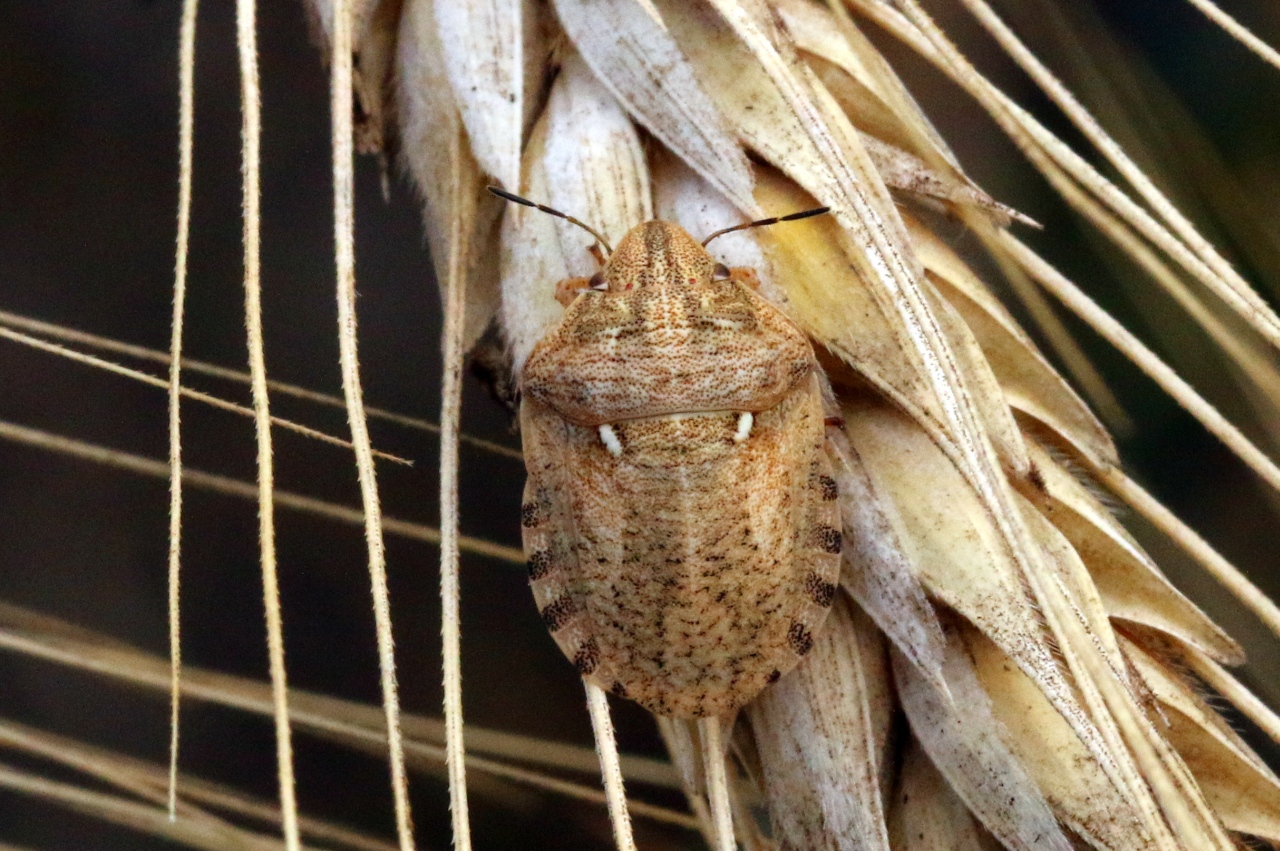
[(610, 767), (746, 276), (568, 289), (717, 782)]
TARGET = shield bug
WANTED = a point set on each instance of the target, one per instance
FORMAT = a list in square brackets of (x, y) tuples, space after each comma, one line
[(680, 516)]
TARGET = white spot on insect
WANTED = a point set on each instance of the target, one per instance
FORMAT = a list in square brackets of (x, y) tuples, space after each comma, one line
[(745, 420), (610, 440)]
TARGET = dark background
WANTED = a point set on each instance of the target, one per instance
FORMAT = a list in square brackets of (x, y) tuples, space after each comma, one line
[(88, 165)]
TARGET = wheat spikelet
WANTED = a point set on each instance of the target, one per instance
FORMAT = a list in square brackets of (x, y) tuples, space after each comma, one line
[(1036, 650)]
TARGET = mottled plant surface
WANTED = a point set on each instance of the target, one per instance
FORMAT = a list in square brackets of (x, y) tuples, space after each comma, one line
[(1005, 663)]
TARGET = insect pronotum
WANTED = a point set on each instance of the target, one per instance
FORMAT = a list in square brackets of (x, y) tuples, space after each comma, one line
[(680, 517)]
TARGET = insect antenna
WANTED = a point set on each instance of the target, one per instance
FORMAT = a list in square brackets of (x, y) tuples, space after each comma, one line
[(791, 217), (507, 196)]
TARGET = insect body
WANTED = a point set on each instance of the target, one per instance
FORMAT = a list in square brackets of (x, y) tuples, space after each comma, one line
[(680, 515)]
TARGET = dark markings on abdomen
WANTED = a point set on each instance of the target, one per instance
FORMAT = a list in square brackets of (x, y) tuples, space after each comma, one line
[(800, 639), (558, 612), (819, 590), (540, 564)]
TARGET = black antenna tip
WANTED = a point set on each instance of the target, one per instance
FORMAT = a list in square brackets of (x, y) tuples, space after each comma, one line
[(507, 196), (806, 214)]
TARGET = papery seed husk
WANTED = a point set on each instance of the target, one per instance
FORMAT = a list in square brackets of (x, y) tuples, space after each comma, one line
[(878, 572), (964, 740), (627, 45), (1243, 791), (926, 813), (459, 216), (1074, 783), (984, 389), (821, 734), (1029, 382), (1131, 585), (531, 260), (595, 165), (480, 45)]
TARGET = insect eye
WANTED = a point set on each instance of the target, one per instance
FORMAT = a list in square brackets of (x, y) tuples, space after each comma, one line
[(720, 273), (597, 282)]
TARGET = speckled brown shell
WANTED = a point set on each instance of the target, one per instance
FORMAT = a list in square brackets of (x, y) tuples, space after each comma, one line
[(689, 570)]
